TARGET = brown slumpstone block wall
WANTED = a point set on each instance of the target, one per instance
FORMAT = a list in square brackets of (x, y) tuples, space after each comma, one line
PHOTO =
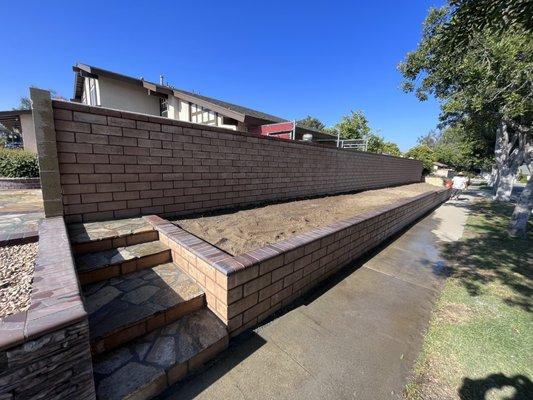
[(44, 351), (245, 289), (115, 164)]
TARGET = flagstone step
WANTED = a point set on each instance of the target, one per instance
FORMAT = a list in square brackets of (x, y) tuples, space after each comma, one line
[(102, 265), (123, 308), (144, 367), (99, 236)]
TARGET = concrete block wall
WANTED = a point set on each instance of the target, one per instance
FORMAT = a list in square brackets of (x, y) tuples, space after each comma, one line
[(115, 164), (245, 289)]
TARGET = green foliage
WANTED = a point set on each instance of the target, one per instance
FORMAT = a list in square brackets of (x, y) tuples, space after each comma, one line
[(18, 164), (464, 147), (311, 123), (430, 139), (425, 154), (353, 126), (377, 144), (471, 16), (487, 74)]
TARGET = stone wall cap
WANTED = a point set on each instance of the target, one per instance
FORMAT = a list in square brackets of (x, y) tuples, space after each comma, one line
[(55, 298)]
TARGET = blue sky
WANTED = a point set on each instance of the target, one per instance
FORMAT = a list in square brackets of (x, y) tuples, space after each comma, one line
[(287, 58)]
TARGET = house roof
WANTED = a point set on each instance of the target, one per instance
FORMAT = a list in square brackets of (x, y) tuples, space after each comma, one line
[(240, 113), (11, 119), (438, 164)]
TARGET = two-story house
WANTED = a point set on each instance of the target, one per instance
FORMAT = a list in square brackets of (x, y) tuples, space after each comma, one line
[(99, 87)]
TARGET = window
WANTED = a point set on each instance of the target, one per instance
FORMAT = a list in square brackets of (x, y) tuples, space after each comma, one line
[(163, 107), (91, 92), (202, 115), (229, 121)]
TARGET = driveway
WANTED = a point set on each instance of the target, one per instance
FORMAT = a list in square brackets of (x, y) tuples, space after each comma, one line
[(355, 337)]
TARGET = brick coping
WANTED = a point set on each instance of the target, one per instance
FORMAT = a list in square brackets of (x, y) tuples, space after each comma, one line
[(111, 112), (228, 264), (246, 288), (55, 298)]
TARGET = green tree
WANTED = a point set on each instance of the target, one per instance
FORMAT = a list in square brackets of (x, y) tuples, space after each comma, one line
[(353, 126), (465, 149), (25, 104), (377, 144), (311, 123), (479, 63), (430, 139), (422, 153)]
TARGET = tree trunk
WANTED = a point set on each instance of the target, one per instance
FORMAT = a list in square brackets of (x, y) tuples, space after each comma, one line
[(494, 179), (518, 223), (505, 183), (499, 157), (503, 186), (511, 150)]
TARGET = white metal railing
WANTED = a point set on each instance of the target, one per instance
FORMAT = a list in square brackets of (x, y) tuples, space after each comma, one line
[(356, 144)]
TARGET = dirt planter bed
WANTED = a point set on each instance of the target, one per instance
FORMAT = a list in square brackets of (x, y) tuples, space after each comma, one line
[(242, 231), (245, 289)]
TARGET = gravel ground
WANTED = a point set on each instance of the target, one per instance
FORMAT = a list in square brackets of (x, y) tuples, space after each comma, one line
[(16, 275), (245, 230)]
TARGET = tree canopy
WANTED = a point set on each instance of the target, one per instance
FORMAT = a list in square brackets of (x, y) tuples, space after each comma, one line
[(377, 144), (312, 123), (422, 153), (476, 57), (488, 75), (353, 126)]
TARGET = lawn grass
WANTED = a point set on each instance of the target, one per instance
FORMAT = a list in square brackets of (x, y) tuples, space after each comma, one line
[(480, 341)]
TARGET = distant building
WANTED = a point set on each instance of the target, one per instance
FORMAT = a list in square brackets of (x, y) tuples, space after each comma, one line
[(20, 122), (98, 87), (443, 170)]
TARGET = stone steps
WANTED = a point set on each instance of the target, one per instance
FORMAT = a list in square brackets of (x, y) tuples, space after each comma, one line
[(126, 307), (91, 237), (102, 265), (146, 366), (148, 321)]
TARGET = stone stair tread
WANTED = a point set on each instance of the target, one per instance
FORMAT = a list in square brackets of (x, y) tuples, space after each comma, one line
[(125, 300), (95, 231), (144, 367), (100, 259)]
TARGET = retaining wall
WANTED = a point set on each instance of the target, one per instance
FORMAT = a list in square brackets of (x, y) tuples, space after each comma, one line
[(245, 289), (44, 351), (114, 164), (19, 183)]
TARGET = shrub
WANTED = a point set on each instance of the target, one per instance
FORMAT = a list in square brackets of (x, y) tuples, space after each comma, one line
[(18, 164)]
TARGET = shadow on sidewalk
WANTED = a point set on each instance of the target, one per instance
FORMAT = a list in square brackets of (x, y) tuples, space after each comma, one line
[(517, 387)]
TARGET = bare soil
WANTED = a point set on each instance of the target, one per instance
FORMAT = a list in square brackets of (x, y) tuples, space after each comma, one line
[(245, 230)]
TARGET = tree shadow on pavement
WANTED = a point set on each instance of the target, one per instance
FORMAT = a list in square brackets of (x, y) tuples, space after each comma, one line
[(517, 387), (487, 255)]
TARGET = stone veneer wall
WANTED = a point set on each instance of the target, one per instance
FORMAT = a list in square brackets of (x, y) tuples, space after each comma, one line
[(245, 289), (115, 164), (44, 351)]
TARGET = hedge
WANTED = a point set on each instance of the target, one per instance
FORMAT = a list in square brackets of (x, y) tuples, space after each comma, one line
[(18, 164)]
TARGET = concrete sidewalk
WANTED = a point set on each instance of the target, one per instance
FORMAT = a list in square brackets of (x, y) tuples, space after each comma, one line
[(355, 337)]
